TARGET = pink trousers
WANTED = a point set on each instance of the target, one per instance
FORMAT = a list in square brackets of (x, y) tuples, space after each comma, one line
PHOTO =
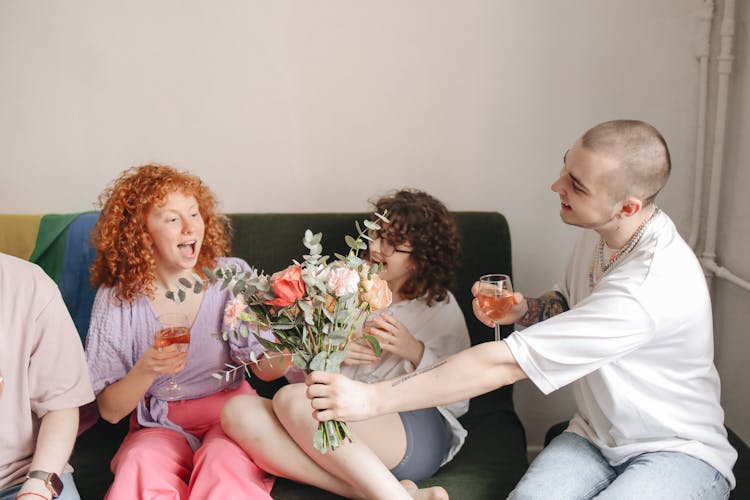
[(157, 463)]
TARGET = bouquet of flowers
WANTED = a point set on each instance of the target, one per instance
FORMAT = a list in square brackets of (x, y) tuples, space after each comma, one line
[(312, 309)]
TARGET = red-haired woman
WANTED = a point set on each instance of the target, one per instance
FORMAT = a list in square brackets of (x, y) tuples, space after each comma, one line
[(419, 249), (158, 225)]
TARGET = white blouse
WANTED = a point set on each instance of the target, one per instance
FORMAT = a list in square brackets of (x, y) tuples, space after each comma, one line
[(442, 329)]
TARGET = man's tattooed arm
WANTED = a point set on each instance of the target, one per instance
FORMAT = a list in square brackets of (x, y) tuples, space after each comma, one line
[(413, 374), (544, 307)]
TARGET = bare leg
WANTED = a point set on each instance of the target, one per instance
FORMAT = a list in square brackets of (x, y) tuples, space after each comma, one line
[(358, 461), (251, 423)]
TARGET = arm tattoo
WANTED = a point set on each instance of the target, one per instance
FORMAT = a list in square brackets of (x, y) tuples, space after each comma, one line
[(546, 306), (417, 372)]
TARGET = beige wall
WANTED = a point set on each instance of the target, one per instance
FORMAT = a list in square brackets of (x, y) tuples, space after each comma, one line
[(731, 303), (301, 106)]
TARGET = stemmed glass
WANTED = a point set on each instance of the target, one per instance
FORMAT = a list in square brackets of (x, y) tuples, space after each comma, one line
[(495, 296), (2, 383), (173, 335)]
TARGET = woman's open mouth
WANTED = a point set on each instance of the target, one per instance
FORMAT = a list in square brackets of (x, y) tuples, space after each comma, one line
[(187, 248)]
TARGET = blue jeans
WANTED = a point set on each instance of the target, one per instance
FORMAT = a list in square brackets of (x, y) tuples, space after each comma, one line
[(69, 490), (570, 467)]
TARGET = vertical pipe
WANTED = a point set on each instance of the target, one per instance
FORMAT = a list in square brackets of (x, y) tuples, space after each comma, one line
[(725, 60), (705, 16)]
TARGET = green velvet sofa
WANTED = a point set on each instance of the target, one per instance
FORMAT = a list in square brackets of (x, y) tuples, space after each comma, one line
[(494, 456)]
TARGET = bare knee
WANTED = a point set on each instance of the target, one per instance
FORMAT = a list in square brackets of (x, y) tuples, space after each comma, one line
[(291, 403), (239, 411)]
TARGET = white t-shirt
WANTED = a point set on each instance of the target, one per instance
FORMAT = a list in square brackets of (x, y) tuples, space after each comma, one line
[(639, 349), (442, 329)]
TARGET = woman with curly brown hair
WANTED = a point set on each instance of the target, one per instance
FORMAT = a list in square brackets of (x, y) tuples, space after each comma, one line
[(159, 225), (419, 249)]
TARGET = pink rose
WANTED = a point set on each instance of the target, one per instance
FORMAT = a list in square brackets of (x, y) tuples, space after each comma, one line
[(287, 286), (232, 311), (379, 295), (343, 281)]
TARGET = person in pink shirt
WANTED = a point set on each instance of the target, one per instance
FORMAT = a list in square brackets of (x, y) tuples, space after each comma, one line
[(43, 381), (158, 225)]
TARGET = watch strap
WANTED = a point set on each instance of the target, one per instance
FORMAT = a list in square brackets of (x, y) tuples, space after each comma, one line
[(51, 480)]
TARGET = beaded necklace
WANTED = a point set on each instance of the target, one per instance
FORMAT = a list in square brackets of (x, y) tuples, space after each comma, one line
[(607, 264)]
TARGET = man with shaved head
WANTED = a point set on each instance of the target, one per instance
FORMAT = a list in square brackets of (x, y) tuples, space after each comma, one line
[(629, 324)]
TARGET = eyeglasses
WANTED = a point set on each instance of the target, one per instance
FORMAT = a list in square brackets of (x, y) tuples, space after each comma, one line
[(386, 247)]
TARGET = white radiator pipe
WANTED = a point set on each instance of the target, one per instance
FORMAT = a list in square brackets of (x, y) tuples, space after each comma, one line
[(705, 16), (710, 266), (725, 60)]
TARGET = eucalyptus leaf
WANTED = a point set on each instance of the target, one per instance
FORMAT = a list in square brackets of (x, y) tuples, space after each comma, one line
[(338, 337), (209, 274), (319, 361), (198, 288), (283, 326), (333, 365), (181, 295), (243, 330), (382, 216), (264, 342), (374, 343), (299, 361), (350, 242), (186, 283), (371, 225)]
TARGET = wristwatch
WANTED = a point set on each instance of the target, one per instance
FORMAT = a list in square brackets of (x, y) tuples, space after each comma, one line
[(51, 481)]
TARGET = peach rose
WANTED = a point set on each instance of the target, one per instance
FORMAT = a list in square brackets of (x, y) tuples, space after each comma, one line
[(232, 311), (379, 295), (287, 286)]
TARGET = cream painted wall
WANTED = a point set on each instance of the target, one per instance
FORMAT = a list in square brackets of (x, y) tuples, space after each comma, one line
[(731, 303), (302, 106)]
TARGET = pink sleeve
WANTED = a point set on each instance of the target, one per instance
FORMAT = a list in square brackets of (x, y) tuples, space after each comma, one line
[(58, 377)]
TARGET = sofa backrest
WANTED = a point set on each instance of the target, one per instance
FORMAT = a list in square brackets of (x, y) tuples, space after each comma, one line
[(270, 241)]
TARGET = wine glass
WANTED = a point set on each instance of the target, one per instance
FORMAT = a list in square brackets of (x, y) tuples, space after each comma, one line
[(173, 335), (2, 383), (495, 296)]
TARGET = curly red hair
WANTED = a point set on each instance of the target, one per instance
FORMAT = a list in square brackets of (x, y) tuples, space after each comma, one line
[(423, 221), (124, 250)]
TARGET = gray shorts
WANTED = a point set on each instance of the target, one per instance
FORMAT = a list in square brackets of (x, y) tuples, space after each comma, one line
[(428, 441)]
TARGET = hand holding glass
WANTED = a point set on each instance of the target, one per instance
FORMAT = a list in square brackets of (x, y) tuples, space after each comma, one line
[(495, 296), (173, 333)]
